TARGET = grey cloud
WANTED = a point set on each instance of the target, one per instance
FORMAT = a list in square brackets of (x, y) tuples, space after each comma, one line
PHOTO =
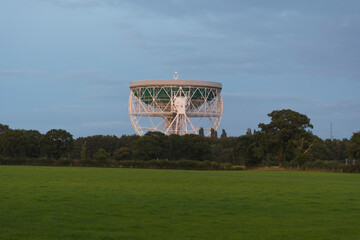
[(303, 40)]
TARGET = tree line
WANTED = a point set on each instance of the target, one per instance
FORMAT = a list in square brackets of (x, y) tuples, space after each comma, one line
[(286, 141)]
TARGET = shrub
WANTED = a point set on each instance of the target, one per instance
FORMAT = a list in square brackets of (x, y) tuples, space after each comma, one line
[(226, 166), (188, 164)]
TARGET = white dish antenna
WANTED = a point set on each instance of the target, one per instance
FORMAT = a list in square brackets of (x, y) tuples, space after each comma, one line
[(175, 107)]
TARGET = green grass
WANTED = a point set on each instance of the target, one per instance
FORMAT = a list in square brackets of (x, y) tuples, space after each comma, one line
[(105, 203)]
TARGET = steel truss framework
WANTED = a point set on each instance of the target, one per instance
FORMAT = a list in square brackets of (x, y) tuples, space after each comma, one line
[(175, 109)]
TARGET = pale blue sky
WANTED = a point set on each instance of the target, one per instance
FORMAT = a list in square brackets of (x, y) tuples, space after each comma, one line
[(67, 63)]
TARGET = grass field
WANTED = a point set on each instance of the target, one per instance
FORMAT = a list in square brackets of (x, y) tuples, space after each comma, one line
[(105, 203)]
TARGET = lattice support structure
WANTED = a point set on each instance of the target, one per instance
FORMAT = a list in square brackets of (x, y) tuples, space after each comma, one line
[(175, 106)]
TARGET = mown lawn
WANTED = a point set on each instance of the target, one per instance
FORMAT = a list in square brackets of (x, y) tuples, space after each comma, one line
[(105, 203)]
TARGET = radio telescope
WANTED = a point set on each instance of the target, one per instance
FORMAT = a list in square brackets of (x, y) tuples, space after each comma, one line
[(175, 106)]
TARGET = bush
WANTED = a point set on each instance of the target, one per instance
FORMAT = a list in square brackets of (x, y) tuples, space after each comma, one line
[(226, 166), (237, 167), (333, 166), (181, 164), (318, 164), (214, 165), (188, 164), (65, 162)]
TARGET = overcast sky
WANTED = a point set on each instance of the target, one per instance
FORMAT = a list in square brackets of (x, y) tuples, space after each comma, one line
[(68, 63)]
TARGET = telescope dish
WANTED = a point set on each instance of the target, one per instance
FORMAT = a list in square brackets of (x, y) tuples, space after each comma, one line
[(175, 107)]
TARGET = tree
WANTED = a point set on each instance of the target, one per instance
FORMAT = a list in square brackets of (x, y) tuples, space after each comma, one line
[(126, 141), (123, 153), (176, 148), (248, 132), (223, 134), (195, 147), (3, 128), (83, 156), (353, 148), (285, 125), (20, 143), (94, 143), (245, 151), (102, 156), (213, 135), (216, 152), (319, 151), (201, 132), (57, 143), (228, 142), (336, 149), (33, 139), (161, 141), (147, 148)]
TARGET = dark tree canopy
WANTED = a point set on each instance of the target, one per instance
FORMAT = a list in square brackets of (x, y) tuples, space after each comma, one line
[(353, 149), (223, 134), (102, 156), (3, 128), (195, 147), (94, 143), (245, 151), (123, 153), (285, 139), (147, 148), (201, 132), (57, 143), (213, 134), (285, 125), (20, 143)]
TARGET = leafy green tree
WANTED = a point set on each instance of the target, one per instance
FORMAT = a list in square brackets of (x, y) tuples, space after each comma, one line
[(285, 125), (147, 148), (94, 143), (213, 134), (228, 142), (126, 140), (300, 158), (244, 152), (353, 148), (20, 143), (102, 156), (123, 153), (176, 147), (318, 150), (248, 132), (201, 132), (216, 152), (57, 143), (83, 156), (12, 143), (4, 128), (195, 147), (336, 149), (223, 134), (162, 141), (32, 146), (226, 155)]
